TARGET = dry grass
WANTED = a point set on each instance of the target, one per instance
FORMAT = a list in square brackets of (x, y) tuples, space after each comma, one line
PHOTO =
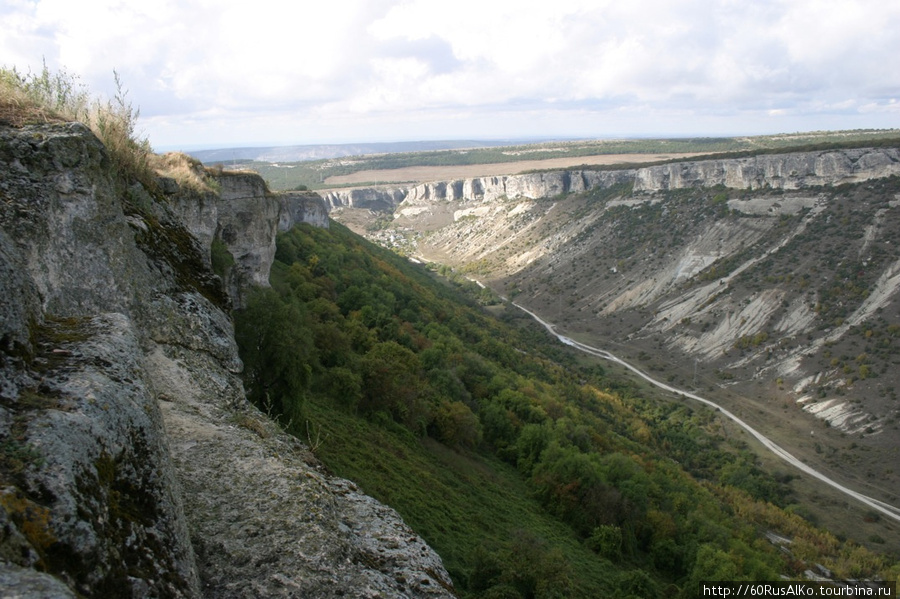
[(252, 424), (58, 97), (44, 97), (18, 110), (186, 170)]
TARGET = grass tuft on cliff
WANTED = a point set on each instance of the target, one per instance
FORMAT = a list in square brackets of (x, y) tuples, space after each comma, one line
[(186, 170), (46, 97)]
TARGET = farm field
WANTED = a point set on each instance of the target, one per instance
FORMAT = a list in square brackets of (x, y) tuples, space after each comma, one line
[(282, 172), (423, 174)]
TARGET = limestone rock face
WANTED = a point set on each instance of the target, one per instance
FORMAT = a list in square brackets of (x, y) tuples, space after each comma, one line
[(491, 189), (19, 307), (269, 524), (131, 463), (302, 207), (114, 522), (377, 199), (25, 583), (88, 485), (479, 189), (247, 222), (63, 210), (778, 171), (197, 212), (244, 215)]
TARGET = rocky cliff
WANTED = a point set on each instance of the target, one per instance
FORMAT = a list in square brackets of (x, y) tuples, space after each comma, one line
[(131, 464), (241, 212), (776, 171)]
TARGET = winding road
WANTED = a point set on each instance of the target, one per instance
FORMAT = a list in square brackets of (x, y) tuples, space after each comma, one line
[(884, 508)]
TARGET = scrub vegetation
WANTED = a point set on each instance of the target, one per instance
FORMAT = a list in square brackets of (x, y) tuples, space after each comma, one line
[(47, 96), (530, 470)]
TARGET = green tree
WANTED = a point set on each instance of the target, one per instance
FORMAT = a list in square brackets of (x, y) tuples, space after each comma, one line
[(606, 540), (638, 584), (498, 425), (711, 564), (457, 426), (344, 386), (530, 445), (392, 381), (278, 353)]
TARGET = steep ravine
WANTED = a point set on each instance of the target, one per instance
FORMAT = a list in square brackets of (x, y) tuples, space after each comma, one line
[(131, 463), (770, 281)]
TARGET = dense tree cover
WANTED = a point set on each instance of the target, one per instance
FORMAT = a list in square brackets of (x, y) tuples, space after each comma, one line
[(527, 470)]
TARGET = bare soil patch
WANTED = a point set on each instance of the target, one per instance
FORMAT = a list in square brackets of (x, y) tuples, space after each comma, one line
[(424, 174)]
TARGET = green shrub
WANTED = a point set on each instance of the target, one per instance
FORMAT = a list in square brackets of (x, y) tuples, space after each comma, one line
[(222, 259), (606, 540)]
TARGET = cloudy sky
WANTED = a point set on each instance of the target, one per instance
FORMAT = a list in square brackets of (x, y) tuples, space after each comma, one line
[(221, 73)]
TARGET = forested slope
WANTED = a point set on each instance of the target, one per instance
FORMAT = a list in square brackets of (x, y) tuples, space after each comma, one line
[(532, 472)]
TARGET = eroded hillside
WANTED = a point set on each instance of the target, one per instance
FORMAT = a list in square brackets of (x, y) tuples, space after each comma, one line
[(769, 284)]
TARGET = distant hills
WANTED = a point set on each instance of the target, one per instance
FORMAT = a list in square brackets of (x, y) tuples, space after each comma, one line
[(322, 166), (309, 152), (326, 151)]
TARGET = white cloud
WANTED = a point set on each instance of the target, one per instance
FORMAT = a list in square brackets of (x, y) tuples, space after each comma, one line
[(288, 72)]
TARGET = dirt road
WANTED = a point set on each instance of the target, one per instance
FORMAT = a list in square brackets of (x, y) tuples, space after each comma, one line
[(880, 506)]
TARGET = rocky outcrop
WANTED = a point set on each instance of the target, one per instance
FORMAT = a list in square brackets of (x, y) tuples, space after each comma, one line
[(131, 464), (89, 492), (776, 171), (376, 199), (532, 186), (247, 223), (301, 207), (245, 216)]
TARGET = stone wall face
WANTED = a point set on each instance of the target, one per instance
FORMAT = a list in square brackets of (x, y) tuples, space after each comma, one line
[(94, 499), (778, 171), (129, 465), (302, 207), (245, 216)]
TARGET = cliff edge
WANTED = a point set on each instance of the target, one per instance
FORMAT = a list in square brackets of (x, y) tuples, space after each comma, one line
[(789, 171), (131, 463)]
